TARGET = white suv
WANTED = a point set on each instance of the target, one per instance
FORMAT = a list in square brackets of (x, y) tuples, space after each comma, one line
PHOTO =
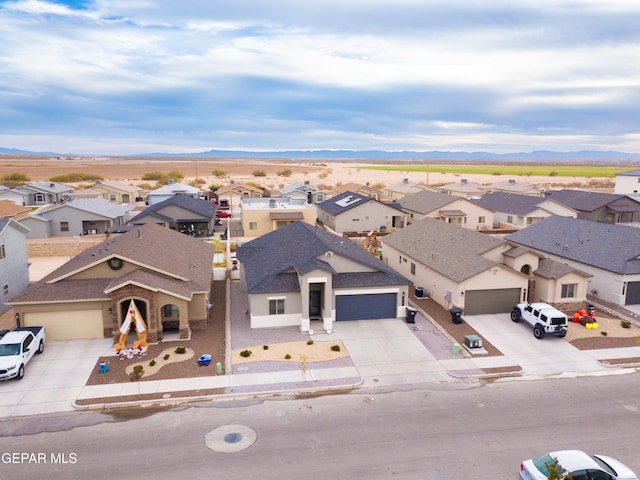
[(542, 317)]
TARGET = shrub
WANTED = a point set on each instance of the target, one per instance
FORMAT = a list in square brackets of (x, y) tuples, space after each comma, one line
[(287, 357), (625, 323), (166, 357), (76, 177), (245, 353), (259, 173), (152, 363), (218, 173), (265, 347), (284, 173), (335, 348), (181, 350), (137, 373), (309, 342)]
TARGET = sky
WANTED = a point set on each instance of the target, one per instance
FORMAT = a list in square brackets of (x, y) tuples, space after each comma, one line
[(117, 77)]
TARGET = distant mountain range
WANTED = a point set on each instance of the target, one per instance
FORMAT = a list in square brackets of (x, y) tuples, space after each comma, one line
[(381, 155)]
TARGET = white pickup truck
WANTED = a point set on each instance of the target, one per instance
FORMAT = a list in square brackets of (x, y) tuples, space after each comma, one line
[(17, 347), (542, 317)]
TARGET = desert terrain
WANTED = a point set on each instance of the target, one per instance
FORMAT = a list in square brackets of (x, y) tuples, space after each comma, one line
[(322, 174)]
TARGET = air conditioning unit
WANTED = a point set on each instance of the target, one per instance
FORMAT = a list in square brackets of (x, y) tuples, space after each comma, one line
[(421, 292)]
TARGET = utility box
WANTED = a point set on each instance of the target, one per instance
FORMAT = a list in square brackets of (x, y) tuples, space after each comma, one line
[(456, 315), (473, 341), (421, 292)]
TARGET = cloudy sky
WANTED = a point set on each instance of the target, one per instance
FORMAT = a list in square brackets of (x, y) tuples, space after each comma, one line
[(134, 76)]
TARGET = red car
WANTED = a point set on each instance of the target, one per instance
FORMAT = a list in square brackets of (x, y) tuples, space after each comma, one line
[(222, 214)]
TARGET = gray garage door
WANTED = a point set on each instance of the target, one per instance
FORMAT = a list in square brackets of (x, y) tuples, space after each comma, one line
[(633, 293), (490, 301), (365, 307)]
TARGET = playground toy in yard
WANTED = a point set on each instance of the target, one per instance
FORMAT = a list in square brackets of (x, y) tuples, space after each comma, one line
[(204, 360), (586, 318)]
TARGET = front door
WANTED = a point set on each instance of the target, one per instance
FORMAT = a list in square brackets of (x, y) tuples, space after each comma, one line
[(315, 309)]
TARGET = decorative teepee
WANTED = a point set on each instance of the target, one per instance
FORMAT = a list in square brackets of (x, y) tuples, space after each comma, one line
[(133, 316)]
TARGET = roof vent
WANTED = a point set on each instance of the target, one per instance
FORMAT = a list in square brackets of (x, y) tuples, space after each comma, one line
[(463, 181), (52, 185)]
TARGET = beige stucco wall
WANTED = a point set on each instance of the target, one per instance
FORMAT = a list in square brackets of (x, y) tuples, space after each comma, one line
[(369, 216), (550, 290), (264, 223)]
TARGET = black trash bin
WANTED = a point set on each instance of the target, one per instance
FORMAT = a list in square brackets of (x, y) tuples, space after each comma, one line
[(411, 314), (456, 315)]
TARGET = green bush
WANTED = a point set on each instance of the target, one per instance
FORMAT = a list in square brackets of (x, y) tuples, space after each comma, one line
[(245, 353), (259, 173), (284, 173), (76, 177), (166, 357), (265, 347), (137, 373), (181, 350), (625, 323), (335, 348), (287, 357), (309, 342), (152, 363)]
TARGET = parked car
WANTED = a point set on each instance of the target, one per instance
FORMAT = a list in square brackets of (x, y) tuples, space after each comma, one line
[(542, 317), (581, 466), (222, 214), (17, 349)]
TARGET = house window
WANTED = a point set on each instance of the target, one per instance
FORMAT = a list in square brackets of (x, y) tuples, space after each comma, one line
[(276, 306), (510, 219), (529, 220), (569, 290), (113, 197), (2, 252), (253, 225), (598, 217), (413, 268), (374, 196), (39, 197), (281, 223), (481, 219), (5, 289), (171, 311), (64, 226), (399, 258)]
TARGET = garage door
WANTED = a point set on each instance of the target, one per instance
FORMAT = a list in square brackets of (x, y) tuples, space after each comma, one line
[(366, 307), (633, 293), (490, 301), (67, 325)]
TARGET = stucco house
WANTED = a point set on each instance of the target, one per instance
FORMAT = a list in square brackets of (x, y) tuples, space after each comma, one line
[(463, 188), (457, 267), (118, 192), (365, 190), (598, 206), (609, 253), (513, 186), (84, 216), (448, 208), (192, 216), (303, 191), (167, 191), (512, 210), (396, 191), (9, 209), (167, 274), (232, 194), (627, 183), (40, 193), (301, 275), (264, 215), (14, 264), (350, 212)]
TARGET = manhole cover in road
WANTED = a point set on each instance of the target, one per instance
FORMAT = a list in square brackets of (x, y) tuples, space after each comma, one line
[(230, 438)]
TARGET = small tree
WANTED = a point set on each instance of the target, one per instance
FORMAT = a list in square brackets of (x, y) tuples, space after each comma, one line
[(557, 471)]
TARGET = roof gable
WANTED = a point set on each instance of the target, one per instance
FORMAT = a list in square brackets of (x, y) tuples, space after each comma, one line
[(186, 202)]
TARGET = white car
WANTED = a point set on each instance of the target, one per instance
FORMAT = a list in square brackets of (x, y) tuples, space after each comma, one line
[(581, 465)]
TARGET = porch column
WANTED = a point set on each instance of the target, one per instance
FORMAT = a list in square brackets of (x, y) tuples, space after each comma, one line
[(327, 306), (305, 321)]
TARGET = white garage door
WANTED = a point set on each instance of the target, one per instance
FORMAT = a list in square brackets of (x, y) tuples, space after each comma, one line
[(67, 325)]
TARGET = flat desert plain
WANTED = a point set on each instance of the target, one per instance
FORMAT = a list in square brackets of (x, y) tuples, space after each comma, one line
[(323, 174)]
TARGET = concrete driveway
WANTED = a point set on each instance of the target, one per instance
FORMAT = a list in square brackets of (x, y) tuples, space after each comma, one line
[(54, 379)]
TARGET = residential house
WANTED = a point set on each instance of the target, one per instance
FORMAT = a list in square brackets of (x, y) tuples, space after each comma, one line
[(350, 212), (609, 253), (118, 192), (456, 267), (229, 196), (76, 217), (398, 190), (448, 208), (188, 215), (37, 194), (170, 190), (598, 206), (301, 275), (512, 186), (627, 183), (14, 265), (512, 210), (168, 275), (9, 209), (364, 190), (263, 215), (462, 189), (304, 191)]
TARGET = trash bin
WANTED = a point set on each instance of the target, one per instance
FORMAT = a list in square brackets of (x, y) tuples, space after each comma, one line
[(411, 314), (456, 315)]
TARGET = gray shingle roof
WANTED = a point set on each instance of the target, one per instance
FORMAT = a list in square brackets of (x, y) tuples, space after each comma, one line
[(96, 206), (610, 247), (425, 201), (453, 251), (582, 200), (165, 259), (273, 261), (196, 205), (509, 202), (343, 202), (548, 268)]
